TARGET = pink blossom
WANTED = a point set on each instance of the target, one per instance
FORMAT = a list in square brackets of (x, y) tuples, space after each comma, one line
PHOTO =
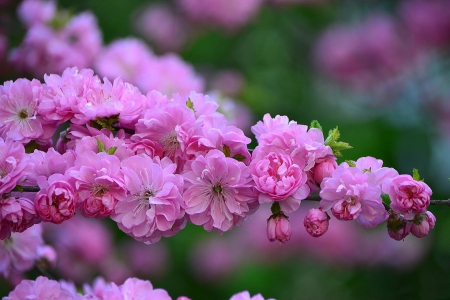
[(14, 164), (98, 183), (48, 163), (316, 222), (355, 192), (363, 55), (126, 58), (219, 191), (16, 215), (18, 111), (323, 169), (20, 250), (279, 179), (32, 12), (422, 224), (427, 21), (169, 74), (154, 202), (55, 202), (408, 196), (145, 146), (228, 14), (162, 26), (42, 288), (134, 288), (269, 124), (51, 50), (245, 295), (47, 257), (114, 145), (279, 228)]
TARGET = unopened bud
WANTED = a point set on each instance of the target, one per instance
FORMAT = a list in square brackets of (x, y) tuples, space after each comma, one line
[(279, 228), (316, 222), (422, 224), (398, 227)]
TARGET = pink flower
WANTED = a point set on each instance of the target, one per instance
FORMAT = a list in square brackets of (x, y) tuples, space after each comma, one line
[(219, 191), (48, 163), (228, 14), (408, 196), (134, 288), (162, 26), (355, 192), (55, 202), (98, 183), (316, 222), (16, 215), (32, 12), (323, 169), (279, 179), (245, 295), (154, 202), (13, 165), (422, 224), (42, 288), (18, 111), (279, 228), (20, 251), (47, 257)]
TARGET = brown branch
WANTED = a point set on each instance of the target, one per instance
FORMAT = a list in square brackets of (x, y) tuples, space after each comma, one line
[(440, 202)]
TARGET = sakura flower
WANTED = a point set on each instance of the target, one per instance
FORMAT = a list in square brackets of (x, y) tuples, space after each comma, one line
[(32, 12), (55, 202), (20, 251), (13, 164), (16, 215), (279, 179), (48, 163), (18, 111), (154, 202), (42, 288), (245, 295), (134, 288), (219, 192), (408, 196), (355, 192), (98, 183)]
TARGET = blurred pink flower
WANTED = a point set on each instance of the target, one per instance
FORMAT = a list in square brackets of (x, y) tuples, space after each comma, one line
[(162, 26), (227, 14), (32, 12), (16, 215), (245, 295), (14, 165), (42, 288)]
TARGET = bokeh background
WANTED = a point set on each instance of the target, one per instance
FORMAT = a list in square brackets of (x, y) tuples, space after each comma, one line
[(377, 69)]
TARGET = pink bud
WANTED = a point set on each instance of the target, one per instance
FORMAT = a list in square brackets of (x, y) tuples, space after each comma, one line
[(422, 224), (46, 256), (316, 222), (398, 227), (324, 169), (279, 228)]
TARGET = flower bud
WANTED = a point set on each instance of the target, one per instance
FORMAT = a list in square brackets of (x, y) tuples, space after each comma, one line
[(422, 224), (279, 228), (46, 257), (316, 222), (324, 169), (398, 227)]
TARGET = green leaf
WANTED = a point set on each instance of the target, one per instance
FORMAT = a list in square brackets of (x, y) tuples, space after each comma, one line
[(386, 199), (239, 157), (111, 150), (334, 144), (190, 104), (315, 124), (351, 163), (18, 188), (416, 175), (369, 170), (107, 122), (226, 150), (100, 145)]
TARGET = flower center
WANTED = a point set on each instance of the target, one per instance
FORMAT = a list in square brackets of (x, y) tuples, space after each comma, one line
[(23, 114), (170, 142), (217, 189), (99, 189)]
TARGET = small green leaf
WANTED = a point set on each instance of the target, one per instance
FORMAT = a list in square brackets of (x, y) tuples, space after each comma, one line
[(239, 157), (107, 122), (416, 175), (350, 163), (386, 199), (190, 104), (315, 124), (100, 145), (334, 144), (111, 150), (369, 170), (18, 188), (226, 150)]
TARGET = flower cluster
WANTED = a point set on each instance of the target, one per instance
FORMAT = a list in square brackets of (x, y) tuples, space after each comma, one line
[(55, 39), (132, 288)]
